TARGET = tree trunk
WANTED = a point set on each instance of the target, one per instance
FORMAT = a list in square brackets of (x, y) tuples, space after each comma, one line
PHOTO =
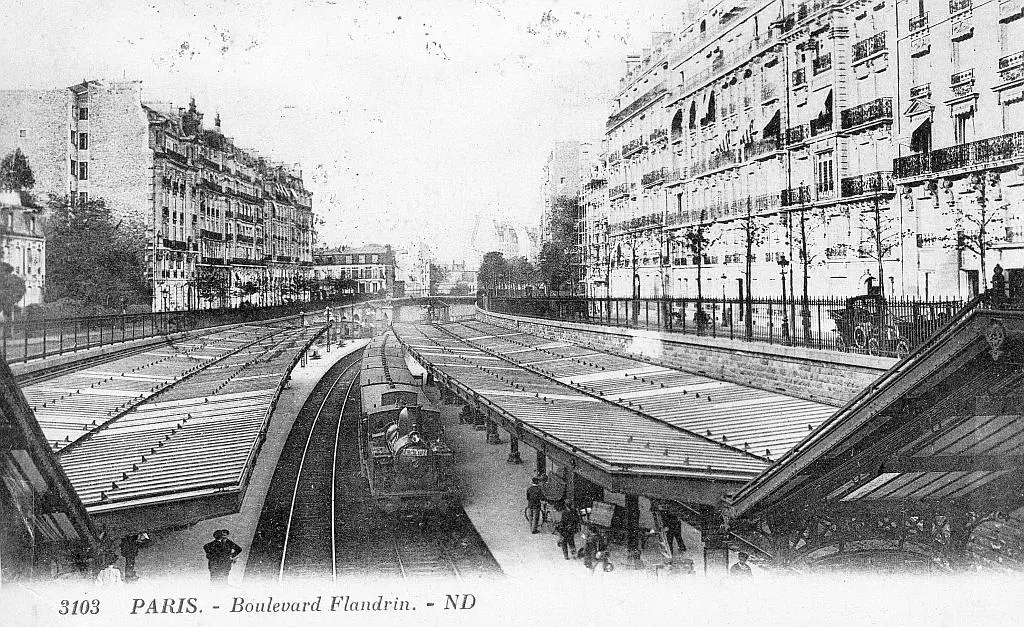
[(748, 322), (805, 309)]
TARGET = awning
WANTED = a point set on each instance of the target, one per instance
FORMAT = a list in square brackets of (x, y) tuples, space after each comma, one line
[(774, 126), (816, 102), (962, 108), (1008, 96)]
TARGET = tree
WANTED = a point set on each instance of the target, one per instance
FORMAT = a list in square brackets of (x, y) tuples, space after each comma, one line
[(881, 235), (93, 259), (754, 234), (211, 285), (12, 290), (493, 270), (977, 226), (437, 276), (15, 173), (522, 272), (339, 285), (461, 289), (554, 269), (697, 241)]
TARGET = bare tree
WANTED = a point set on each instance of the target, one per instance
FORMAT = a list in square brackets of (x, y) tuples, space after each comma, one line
[(977, 226), (754, 235)]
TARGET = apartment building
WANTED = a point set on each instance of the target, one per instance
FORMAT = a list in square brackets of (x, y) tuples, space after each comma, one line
[(768, 134), (223, 224), (372, 267), (22, 244), (961, 146)]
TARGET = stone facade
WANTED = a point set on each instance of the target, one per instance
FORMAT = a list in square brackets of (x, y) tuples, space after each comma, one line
[(22, 245), (223, 225), (371, 267)]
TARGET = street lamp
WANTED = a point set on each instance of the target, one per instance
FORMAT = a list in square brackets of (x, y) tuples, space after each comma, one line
[(725, 316), (783, 263)]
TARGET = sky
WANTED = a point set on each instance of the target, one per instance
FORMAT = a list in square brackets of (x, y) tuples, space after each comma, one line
[(407, 118)]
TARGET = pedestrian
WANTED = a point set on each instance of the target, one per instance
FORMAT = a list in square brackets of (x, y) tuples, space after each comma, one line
[(534, 501), (741, 568), (109, 575), (594, 545), (129, 551), (673, 531), (568, 525), (221, 553)]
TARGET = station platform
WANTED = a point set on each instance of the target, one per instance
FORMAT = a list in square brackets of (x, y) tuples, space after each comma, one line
[(494, 497), (177, 554)]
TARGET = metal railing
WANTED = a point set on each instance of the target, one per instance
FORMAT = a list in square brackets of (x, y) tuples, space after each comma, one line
[(977, 153), (872, 111), (867, 47), (866, 184), (867, 325), (25, 339)]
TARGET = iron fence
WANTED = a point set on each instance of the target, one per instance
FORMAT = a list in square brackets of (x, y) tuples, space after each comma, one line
[(861, 324), (24, 339)]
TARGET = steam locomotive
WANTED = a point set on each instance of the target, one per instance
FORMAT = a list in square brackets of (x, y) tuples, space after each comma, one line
[(410, 467)]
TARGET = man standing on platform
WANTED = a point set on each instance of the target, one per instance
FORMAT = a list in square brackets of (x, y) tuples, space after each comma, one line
[(568, 525), (673, 532), (221, 553), (534, 500), (741, 568)]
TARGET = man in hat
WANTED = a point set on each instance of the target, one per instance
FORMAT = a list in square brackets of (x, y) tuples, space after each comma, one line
[(221, 553), (534, 500), (741, 568)]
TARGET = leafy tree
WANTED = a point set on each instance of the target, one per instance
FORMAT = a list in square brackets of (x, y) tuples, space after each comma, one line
[(522, 272), (554, 268), (461, 289), (340, 285), (211, 285), (493, 270), (12, 289), (437, 275), (93, 259), (15, 173)]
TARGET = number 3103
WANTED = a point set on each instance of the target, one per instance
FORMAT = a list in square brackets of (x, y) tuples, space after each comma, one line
[(84, 606)]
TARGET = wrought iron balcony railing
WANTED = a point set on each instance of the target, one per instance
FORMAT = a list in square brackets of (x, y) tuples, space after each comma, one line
[(866, 184), (873, 111), (796, 196), (962, 82), (919, 22), (653, 177), (633, 147), (821, 125), (956, 6), (976, 154), (799, 77), (867, 47), (659, 135), (762, 146), (618, 191), (796, 134), (921, 91)]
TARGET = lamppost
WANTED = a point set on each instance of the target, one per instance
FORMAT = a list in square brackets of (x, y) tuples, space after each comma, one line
[(725, 316), (783, 263)]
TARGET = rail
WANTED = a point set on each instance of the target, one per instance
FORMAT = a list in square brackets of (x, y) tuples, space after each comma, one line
[(865, 325), (27, 339)]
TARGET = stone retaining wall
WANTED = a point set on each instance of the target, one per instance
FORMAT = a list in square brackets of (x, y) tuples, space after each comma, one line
[(829, 377)]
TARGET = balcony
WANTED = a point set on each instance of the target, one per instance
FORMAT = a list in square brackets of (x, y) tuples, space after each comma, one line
[(821, 125), (866, 184), (1011, 66), (869, 47), (796, 196), (633, 147), (838, 251), (614, 157), (799, 77), (212, 261), (962, 83), (822, 63), (876, 110), (802, 12), (618, 191), (956, 6), (919, 22), (962, 26), (717, 159), (175, 244), (658, 136), (974, 155), (635, 107), (921, 91), (769, 93), (654, 177), (761, 147), (1010, 9), (245, 239), (205, 234), (1014, 235), (796, 134), (641, 222), (927, 240)]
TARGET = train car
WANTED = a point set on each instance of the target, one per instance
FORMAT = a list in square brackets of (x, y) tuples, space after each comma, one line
[(409, 465)]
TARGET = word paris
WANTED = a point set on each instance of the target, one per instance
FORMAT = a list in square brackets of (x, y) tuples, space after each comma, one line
[(337, 603)]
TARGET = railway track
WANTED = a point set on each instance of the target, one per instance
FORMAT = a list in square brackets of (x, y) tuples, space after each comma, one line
[(319, 520)]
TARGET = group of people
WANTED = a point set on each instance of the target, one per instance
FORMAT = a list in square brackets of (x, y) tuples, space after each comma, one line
[(221, 554), (595, 545)]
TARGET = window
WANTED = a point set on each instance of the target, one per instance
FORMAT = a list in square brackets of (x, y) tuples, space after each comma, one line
[(22, 133), (83, 141), (83, 113), (963, 127), (824, 173), (32, 224), (374, 259), (74, 168), (83, 171), (83, 197)]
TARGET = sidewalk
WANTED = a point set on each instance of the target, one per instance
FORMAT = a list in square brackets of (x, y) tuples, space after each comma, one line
[(178, 554), (494, 496)]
